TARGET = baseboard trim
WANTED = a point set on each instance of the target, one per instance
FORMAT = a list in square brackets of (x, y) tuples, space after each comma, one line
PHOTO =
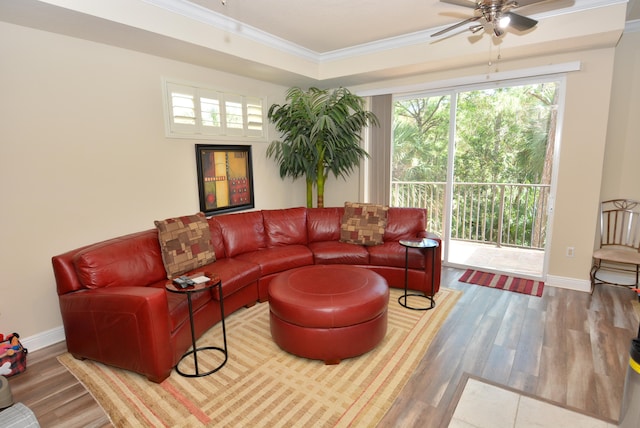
[(44, 339), (569, 283)]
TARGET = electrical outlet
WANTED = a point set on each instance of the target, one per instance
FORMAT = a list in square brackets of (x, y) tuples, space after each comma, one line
[(571, 252)]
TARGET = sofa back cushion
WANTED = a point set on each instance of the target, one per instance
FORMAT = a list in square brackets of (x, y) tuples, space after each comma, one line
[(405, 223), (131, 260), (285, 227), (323, 224), (216, 238), (242, 233)]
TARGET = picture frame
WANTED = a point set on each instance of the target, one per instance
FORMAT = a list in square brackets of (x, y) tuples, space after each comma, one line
[(225, 178)]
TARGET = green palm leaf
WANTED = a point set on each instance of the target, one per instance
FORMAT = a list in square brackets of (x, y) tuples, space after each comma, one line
[(321, 132)]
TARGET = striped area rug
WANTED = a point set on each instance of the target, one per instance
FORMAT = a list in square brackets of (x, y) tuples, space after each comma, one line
[(503, 282), (263, 386)]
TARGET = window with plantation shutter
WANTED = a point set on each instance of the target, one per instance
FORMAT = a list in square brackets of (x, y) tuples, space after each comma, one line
[(254, 117), (233, 114), (195, 112)]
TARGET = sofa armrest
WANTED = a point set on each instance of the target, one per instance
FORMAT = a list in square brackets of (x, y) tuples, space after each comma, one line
[(127, 327)]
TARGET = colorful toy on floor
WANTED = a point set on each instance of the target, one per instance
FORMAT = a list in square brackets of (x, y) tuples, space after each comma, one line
[(13, 356), (9, 345), (5, 369)]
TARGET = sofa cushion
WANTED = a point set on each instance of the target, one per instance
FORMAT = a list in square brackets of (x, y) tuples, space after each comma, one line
[(236, 275), (185, 243), (285, 227), (124, 261), (323, 224), (278, 259), (405, 223), (363, 224), (335, 252), (242, 232), (393, 254), (216, 238)]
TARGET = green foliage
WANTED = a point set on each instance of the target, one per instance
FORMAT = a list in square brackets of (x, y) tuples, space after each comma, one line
[(421, 138), (501, 136), (321, 133)]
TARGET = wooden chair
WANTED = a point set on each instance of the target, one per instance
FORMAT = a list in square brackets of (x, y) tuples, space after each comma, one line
[(619, 250)]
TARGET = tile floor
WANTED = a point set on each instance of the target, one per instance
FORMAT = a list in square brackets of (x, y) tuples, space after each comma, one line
[(525, 262), (487, 406)]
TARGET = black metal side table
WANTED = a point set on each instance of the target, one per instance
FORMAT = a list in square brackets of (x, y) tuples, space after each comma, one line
[(424, 244), (214, 281)]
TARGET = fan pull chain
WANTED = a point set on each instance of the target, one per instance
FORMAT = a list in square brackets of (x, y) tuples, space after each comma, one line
[(498, 58), (490, 61)]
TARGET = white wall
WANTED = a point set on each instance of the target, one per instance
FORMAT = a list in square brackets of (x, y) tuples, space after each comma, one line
[(83, 157), (621, 177)]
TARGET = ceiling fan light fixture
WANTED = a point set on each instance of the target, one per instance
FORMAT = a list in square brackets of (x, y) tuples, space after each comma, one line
[(496, 16), (504, 21)]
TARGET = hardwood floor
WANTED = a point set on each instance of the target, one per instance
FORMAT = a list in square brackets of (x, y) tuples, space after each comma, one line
[(54, 394), (568, 347)]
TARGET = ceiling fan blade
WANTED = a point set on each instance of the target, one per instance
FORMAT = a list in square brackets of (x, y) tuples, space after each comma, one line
[(464, 3), (522, 3), (454, 26), (519, 22)]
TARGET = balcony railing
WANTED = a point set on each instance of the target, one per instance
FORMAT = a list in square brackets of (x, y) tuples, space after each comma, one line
[(504, 214)]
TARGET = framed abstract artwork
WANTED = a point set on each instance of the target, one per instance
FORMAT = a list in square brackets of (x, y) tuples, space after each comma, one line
[(225, 179)]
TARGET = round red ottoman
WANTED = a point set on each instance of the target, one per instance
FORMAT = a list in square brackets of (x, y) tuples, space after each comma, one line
[(328, 312)]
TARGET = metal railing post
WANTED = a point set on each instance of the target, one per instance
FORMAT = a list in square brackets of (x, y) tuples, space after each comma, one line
[(500, 217)]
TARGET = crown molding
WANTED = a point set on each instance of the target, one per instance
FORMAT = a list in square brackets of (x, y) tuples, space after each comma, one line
[(230, 25)]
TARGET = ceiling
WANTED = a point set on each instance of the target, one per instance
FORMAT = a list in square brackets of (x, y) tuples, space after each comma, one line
[(330, 25), (329, 42)]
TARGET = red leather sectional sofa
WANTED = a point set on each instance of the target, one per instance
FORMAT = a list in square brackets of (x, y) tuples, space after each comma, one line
[(115, 308)]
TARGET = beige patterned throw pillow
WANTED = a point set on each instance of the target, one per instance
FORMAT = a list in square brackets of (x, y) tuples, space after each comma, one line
[(363, 224), (185, 243)]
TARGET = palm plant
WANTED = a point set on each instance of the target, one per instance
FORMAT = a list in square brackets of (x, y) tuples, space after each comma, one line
[(321, 133)]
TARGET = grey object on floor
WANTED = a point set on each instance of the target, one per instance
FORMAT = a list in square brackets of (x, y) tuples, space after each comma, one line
[(6, 398), (18, 416)]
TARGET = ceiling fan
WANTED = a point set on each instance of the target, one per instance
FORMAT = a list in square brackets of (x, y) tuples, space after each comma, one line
[(495, 15)]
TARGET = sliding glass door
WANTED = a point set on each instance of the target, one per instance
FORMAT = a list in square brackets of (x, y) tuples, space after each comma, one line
[(480, 160)]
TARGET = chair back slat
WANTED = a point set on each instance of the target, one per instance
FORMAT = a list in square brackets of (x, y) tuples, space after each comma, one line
[(620, 223)]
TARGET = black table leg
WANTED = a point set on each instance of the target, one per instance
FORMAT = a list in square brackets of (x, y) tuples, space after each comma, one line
[(195, 350), (402, 300)]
